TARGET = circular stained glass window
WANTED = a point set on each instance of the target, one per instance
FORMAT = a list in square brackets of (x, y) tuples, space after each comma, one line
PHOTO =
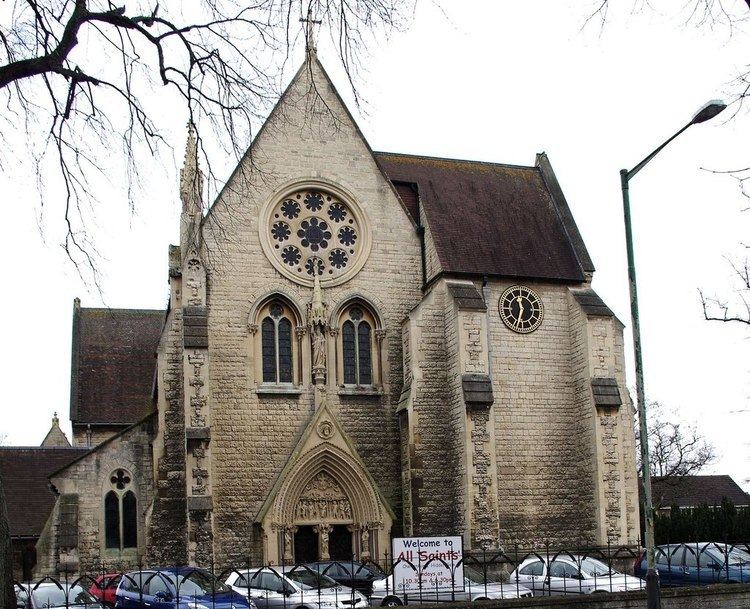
[(313, 231)]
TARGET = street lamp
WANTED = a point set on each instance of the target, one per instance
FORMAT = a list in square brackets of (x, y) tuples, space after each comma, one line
[(707, 112)]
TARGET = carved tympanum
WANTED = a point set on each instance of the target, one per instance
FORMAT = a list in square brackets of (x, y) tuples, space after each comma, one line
[(323, 500)]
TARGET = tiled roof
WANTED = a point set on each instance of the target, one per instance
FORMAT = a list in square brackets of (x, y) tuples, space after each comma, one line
[(692, 491), (492, 219), (27, 492), (114, 361), (591, 303)]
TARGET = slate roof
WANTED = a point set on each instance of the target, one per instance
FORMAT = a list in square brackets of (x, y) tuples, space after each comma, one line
[(692, 491), (492, 219), (591, 303), (27, 492), (113, 364)]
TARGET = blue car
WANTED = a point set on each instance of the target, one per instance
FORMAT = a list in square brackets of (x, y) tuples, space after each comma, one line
[(697, 564), (176, 588)]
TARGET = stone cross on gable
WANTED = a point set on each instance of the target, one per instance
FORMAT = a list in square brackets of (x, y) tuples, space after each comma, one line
[(310, 24)]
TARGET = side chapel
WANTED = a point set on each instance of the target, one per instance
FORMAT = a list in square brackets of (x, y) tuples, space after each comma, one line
[(358, 345)]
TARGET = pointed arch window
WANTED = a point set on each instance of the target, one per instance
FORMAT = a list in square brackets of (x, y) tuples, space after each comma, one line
[(120, 513), (359, 350), (276, 346)]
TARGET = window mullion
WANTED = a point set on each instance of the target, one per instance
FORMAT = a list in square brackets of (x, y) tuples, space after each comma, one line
[(276, 349), (121, 522), (356, 353)]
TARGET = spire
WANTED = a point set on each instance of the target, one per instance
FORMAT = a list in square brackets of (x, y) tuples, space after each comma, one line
[(191, 177)]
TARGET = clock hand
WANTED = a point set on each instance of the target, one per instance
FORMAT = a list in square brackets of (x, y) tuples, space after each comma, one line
[(520, 308)]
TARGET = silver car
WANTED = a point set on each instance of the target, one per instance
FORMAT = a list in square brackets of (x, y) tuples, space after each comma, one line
[(383, 593), (572, 575), (293, 588), (48, 595)]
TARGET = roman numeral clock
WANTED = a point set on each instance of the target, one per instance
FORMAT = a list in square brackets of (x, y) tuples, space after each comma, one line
[(521, 309)]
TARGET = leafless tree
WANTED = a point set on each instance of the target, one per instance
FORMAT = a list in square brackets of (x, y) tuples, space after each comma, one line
[(714, 14), (676, 449), (736, 308), (79, 78)]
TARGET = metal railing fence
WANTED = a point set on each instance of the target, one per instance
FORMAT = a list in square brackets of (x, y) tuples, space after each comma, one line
[(352, 584)]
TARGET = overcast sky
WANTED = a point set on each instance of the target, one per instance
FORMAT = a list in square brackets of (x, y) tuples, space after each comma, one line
[(491, 81)]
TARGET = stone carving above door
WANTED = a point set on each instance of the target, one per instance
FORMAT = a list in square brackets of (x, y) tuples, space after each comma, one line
[(323, 500)]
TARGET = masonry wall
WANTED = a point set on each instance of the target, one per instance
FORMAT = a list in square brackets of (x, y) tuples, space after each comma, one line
[(85, 483), (721, 596), (545, 489), (98, 435), (252, 434), (167, 520)]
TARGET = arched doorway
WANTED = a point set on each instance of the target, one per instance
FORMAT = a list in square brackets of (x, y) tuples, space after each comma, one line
[(324, 503), (325, 509)]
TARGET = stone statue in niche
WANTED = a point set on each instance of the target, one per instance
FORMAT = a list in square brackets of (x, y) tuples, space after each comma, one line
[(317, 313), (319, 349)]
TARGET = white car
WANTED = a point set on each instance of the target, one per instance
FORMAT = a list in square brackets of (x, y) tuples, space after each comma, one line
[(383, 593), (293, 588), (572, 575), (49, 595)]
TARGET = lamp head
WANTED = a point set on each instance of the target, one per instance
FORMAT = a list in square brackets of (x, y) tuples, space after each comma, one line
[(708, 111)]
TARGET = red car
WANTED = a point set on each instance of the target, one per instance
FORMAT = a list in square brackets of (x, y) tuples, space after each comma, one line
[(104, 588)]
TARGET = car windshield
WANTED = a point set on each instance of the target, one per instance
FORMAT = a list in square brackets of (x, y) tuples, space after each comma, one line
[(595, 568), (477, 576), (197, 583), (52, 596), (311, 579), (737, 557)]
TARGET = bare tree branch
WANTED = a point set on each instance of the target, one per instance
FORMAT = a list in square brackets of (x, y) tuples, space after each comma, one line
[(79, 76), (675, 449)]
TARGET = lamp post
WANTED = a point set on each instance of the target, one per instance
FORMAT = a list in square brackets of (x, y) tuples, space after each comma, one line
[(707, 112)]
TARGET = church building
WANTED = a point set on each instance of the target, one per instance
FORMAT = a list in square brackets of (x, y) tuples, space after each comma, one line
[(358, 346)]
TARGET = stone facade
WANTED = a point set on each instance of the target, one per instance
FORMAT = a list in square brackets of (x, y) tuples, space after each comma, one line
[(306, 409), (73, 540)]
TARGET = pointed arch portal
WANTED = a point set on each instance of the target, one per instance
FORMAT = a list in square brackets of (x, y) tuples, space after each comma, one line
[(325, 504)]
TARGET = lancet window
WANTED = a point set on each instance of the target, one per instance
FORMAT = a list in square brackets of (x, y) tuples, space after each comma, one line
[(120, 513), (276, 346), (276, 333), (358, 347)]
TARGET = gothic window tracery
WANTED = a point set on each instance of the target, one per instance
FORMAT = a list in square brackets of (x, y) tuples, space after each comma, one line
[(120, 513), (313, 232), (358, 347), (276, 345)]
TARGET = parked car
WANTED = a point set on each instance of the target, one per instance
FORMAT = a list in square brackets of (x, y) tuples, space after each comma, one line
[(293, 587), (48, 595), (570, 574), (475, 589), (694, 564), (354, 574), (105, 587), (176, 588)]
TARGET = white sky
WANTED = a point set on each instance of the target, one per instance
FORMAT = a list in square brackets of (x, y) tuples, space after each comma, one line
[(494, 81)]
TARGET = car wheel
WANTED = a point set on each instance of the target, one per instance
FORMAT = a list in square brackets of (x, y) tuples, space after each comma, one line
[(391, 601)]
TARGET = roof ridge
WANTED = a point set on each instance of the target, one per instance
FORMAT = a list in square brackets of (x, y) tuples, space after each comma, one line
[(455, 160), (122, 310)]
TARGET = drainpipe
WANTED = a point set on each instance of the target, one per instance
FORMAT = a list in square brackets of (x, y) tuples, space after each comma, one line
[(486, 295)]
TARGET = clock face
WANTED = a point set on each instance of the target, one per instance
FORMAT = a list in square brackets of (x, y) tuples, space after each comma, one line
[(521, 309)]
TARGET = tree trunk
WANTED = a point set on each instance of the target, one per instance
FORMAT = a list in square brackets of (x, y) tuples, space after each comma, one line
[(7, 596)]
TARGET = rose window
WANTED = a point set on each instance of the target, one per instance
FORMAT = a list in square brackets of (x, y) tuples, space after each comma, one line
[(315, 232)]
